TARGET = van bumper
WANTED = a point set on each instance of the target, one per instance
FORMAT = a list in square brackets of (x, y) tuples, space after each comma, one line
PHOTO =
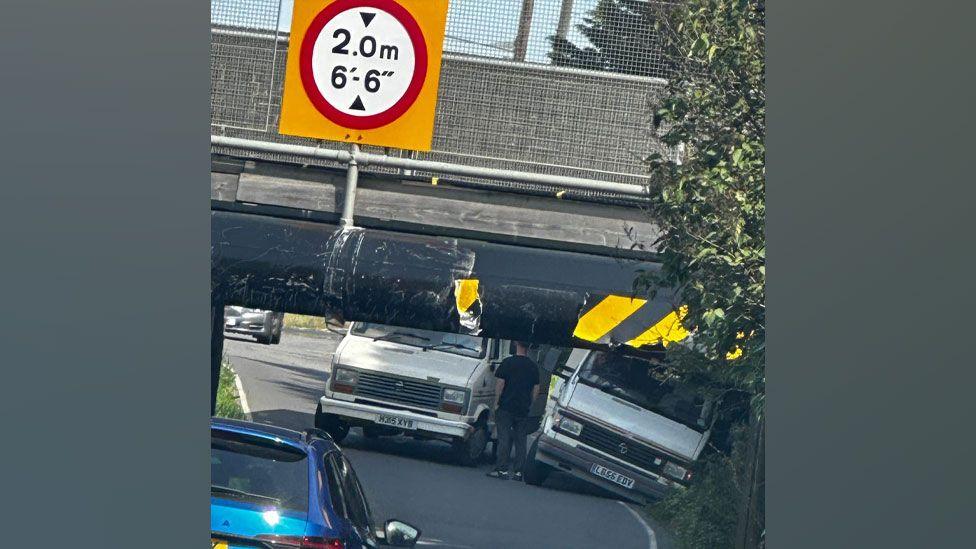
[(356, 413), (566, 455)]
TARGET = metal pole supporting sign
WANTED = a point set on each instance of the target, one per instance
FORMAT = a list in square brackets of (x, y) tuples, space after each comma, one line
[(352, 180)]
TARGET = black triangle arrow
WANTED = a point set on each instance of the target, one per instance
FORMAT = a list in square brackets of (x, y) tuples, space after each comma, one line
[(357, 105), (367, 18)]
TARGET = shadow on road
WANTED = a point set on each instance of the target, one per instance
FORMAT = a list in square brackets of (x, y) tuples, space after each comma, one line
[(564, 482), (241, 338), (299, 421), (305, 383), (424, 450)]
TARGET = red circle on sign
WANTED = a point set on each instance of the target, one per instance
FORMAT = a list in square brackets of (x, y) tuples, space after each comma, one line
[(413, 89)]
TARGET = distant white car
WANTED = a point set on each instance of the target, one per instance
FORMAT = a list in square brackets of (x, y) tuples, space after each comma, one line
[(265, 326)]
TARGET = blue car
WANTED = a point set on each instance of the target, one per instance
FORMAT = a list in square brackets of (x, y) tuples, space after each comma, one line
[(274, 488)]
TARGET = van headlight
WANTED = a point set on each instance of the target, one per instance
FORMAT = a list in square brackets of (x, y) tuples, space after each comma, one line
[(676, 471), (454, 395), (452, 400), (344, 380), (570, 426)]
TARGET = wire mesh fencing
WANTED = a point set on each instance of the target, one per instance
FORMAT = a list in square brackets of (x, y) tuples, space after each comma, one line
[(561, 87)]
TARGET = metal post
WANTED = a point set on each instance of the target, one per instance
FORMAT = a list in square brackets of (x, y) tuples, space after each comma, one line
[(352, 179), (565, 15), (216, 346), (525, 26)]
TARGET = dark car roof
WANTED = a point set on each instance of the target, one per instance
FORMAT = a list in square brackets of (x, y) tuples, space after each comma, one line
[(292, 437)]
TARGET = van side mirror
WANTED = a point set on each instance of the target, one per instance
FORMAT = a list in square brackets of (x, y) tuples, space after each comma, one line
[(400, 534)]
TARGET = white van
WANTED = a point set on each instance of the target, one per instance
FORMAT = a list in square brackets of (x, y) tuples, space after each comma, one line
[(621, 422), (391, 380)]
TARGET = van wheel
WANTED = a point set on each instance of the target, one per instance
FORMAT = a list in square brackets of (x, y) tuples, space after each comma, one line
[(535, 472), (332, 424), (470, 450)]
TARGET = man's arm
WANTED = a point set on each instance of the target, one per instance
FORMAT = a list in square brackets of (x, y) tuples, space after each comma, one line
[(535, 392), (501, 372)]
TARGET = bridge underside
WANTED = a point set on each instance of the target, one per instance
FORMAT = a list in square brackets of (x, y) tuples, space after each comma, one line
[(437, 206), (438, 257)]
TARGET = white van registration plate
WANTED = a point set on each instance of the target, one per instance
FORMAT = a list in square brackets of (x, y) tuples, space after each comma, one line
[(612, 476), (394, 421)]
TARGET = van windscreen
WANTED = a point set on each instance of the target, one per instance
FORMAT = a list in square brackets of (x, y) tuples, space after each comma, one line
[(646, 384), (457, 344)]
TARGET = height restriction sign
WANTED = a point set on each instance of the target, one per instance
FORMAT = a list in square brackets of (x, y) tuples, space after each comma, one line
[(364, 71)]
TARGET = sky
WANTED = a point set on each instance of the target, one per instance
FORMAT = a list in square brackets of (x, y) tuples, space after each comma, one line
[(478, 27)]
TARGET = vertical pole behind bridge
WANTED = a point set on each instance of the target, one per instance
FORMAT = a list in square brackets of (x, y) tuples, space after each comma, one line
[(216, 345)]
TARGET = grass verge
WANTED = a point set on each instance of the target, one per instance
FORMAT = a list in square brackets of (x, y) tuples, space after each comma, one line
[(304, 322), (228, 401)]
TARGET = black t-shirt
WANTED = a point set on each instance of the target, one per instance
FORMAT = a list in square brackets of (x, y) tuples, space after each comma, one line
[(520, 374)]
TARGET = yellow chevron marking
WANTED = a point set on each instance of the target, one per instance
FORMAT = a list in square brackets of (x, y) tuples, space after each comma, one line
[(667, 330), (605, 316), (465, 293)]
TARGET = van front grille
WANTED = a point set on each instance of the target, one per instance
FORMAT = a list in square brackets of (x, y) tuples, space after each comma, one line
[(625, 449), (403, 391)]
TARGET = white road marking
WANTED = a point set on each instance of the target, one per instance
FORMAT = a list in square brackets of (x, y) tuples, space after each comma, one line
[(440, 543), (652, 539), (240, 393)]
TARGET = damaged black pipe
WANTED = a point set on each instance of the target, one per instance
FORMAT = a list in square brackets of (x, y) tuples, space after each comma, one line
[(420, 281)]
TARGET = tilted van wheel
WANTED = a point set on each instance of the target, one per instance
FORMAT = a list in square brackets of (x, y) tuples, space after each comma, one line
[(535, 472)]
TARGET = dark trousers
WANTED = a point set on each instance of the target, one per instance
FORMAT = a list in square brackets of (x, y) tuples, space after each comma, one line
[(510, 428)]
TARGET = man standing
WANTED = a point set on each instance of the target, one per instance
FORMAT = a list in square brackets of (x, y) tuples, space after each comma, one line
[(515, 389)]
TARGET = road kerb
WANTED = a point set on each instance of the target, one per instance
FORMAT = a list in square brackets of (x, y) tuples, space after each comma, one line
[(241, 397), (651, 537)]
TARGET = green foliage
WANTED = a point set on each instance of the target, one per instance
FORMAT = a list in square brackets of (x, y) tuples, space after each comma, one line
[(711, 202), (623, 38), (228, 401), (704, 514)]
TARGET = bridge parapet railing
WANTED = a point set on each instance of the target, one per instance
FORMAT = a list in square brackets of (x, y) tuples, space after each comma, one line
[(557, 87)]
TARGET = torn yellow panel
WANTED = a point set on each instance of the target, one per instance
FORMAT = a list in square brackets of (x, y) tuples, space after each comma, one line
[(465, 293), (605, 316), (666, 331)]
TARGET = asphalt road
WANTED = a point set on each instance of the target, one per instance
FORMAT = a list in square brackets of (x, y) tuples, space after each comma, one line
[(416, 481)]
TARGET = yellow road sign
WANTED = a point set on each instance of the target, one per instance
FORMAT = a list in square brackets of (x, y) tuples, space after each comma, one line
[(364, 71)]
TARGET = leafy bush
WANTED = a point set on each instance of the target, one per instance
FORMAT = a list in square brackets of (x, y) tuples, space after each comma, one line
[(704, 514)]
